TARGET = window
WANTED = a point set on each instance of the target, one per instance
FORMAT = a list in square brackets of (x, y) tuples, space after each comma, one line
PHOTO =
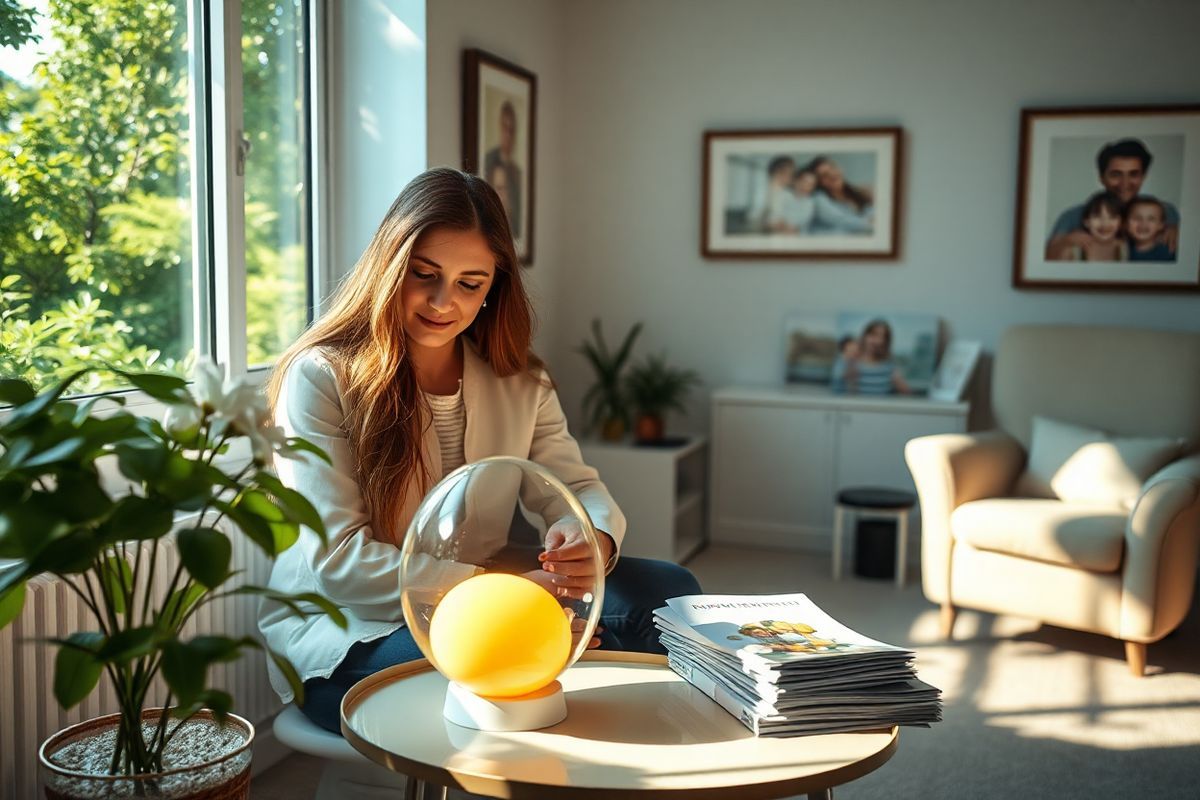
[(132, 232)]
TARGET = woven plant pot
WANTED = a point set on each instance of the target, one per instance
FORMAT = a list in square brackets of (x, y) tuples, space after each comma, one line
[(222, 777)]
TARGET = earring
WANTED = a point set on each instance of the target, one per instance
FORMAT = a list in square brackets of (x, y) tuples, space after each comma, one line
[(484, 303)]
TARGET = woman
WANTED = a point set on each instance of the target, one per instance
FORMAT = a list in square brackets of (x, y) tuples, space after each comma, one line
[(423, 363), (851, 206), (872, 371)]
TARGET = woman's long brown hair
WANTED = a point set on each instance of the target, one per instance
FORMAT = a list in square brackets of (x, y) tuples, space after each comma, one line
[(363, 337)]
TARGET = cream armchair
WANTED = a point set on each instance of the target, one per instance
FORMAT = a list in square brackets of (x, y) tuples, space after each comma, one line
[(1125, 573)]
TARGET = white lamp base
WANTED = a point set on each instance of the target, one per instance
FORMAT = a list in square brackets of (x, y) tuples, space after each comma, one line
[(527, 712)]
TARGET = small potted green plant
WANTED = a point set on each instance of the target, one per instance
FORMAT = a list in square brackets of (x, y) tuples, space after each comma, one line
[(653, 389), (191, 477), (605, 403)]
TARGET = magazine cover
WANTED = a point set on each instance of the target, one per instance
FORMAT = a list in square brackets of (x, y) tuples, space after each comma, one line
[(778, 629)]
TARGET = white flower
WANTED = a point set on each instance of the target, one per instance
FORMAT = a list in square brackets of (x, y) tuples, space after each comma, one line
[(237, 408), (182, 420)]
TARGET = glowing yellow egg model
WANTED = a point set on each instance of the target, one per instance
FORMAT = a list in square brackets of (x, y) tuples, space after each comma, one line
[(499, 628), (500, 635)]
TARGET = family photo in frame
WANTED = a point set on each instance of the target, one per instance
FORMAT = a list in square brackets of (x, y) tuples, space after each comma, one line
[(1109, 198), (814, 193), (499, 126)]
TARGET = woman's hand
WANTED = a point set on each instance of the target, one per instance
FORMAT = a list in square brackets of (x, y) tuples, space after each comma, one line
[(568, 570)]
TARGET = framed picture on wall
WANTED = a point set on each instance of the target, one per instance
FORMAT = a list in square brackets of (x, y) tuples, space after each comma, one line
[(798, 194), (499, 132), (1109, 198)]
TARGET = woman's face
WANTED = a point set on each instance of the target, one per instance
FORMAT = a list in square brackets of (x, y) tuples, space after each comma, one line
[(875, 341), (1103, 224), (829, 176), (449, 275)]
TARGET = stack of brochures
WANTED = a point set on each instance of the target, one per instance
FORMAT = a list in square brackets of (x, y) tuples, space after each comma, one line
[(784, 667)]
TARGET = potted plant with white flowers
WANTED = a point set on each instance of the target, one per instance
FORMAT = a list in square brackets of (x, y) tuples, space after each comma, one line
[(192, 478)]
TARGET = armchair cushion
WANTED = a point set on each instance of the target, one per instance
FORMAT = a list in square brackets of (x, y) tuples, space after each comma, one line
[(1085, 465), (1085, 536)]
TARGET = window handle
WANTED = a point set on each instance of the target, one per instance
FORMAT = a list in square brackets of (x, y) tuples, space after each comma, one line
[(243, 152)]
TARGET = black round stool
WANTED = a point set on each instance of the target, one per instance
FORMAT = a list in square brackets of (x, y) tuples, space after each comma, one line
[(869, 502)]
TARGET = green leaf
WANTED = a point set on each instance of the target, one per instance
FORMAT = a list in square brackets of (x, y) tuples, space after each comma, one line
[(295, 602), (184, 482), (11, 576), (178, 603), (183, 673), (294, 504), (290, 674), (143, 461), (70, 554), (29, 527), (75, 673), (212, 649), (254, 526), (206, 553), (12, 600), (117, 578), (25, 412), (296, 443), (15, 392), (284, 532), (124, 646), (167, 388), (16, 453), (62, 451), (81, 497), (137, 518), (220, 703)]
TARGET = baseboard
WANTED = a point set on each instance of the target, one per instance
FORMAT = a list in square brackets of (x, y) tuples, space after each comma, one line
[(804, 538), (268, 750)]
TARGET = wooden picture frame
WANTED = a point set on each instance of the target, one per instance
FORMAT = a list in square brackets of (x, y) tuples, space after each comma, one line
[(1094, 184), (802, 194), (499, 136)]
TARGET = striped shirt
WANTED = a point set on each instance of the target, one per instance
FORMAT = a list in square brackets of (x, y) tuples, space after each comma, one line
[(875, 378), (450, 421)]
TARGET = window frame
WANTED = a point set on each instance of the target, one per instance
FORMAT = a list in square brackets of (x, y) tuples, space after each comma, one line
[(216, 128)]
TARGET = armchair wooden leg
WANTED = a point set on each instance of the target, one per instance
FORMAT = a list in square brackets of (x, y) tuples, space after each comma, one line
[(1135, 654), (949, 613)]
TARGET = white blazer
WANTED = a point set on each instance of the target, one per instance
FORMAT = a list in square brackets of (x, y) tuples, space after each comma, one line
[(358, 569)]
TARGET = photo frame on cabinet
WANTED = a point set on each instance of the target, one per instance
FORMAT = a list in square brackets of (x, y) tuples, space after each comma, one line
[(499, 136), (1109, 198), (955, 369), (802, 194)]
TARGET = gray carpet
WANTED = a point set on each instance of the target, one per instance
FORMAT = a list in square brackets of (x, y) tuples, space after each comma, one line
[(1030, 711)]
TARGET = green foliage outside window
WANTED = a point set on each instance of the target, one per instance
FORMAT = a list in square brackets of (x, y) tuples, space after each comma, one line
[(95, 217)]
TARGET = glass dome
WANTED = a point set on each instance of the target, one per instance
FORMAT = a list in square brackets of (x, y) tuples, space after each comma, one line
[(482, 605)]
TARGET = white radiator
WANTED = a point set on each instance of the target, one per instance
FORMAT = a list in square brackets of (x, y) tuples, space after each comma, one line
[(28, 710)]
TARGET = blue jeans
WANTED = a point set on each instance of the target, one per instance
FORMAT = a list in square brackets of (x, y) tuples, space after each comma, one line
[(632, 591)]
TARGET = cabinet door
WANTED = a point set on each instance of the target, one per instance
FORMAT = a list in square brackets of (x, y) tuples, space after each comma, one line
[(771, 474), (870, 450)]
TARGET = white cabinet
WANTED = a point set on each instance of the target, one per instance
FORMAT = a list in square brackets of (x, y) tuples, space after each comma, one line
[(661, 490), (780, 454)]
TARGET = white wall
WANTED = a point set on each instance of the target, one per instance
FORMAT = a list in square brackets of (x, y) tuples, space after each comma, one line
[(645, 78), (528, 33), (376, 108)]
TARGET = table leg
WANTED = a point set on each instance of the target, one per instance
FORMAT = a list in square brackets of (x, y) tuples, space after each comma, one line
[(839, 521), (901, 548), (821, 794), (416, 789)]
